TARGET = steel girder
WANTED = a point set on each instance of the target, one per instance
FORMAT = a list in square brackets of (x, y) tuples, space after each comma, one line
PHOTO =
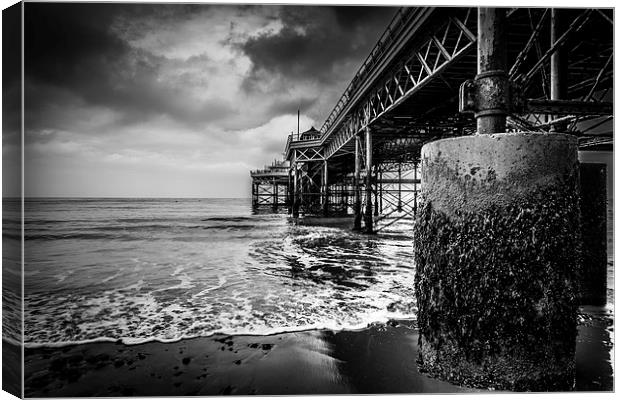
[(423, 63), (309, 154), (585, 41)]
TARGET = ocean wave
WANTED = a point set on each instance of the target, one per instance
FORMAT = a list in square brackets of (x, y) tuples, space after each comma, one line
[(328, 326), (229, 219), (76, 235), (136, 231), (174, 271)]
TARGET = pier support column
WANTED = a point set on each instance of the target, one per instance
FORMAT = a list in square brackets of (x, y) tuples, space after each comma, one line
[(325, 192), (296, 188), (400, 201), (415, 188), (558, 66), (380, 188), (357, 206), (289, 192), (592, 275), (492, 79), (377, 185), (496, 250), (274, 185), (347, 190), (368, 222), (254, 194)]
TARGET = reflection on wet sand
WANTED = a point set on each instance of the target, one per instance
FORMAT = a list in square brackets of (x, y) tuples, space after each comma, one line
[(594, 352), (378, 359)]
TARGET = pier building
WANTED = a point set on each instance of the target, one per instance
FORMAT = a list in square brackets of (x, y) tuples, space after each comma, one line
[(270, 187)]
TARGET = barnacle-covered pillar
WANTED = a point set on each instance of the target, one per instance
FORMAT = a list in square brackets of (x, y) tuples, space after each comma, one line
[(496, 250), (496, 245)]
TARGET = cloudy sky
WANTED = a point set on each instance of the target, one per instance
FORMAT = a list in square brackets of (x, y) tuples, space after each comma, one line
[(178, 100)]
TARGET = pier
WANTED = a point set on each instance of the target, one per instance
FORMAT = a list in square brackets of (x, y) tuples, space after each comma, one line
[(270, 187), (469, 121), (416, 86)]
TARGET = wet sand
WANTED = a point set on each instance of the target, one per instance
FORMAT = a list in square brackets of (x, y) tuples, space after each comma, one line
[(594, 345), (11, 368), (379, 359)]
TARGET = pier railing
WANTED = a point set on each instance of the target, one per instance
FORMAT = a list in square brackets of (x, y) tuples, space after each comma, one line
[(276, 168), (385, 43)]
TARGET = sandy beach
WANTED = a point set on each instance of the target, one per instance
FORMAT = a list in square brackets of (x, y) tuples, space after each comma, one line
[(379, 359)]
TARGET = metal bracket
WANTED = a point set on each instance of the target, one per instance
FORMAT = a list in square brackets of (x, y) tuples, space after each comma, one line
[(490, 93)]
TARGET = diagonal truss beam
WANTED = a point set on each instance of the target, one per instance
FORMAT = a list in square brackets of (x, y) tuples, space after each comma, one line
[(425, 62)]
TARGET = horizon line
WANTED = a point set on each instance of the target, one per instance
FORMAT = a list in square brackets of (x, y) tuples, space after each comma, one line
[(121, 197)]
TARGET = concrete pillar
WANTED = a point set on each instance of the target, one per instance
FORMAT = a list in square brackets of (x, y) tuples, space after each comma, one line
[(357, 207), (492, 79), (368, 228), (592, 274), (496, 251)]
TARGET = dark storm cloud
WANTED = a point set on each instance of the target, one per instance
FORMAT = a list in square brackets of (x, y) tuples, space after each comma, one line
[(118, 89), (64, 42), (71, 47), (314, 41), (11, 75)]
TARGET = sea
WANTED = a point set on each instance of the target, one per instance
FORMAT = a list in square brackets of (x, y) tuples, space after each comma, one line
[(140, 270)]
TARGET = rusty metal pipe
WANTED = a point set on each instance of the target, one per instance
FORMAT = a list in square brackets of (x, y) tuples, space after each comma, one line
[(492, 79)]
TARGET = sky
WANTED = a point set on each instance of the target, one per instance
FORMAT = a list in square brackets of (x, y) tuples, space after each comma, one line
[(139, 100), (174, 100)]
